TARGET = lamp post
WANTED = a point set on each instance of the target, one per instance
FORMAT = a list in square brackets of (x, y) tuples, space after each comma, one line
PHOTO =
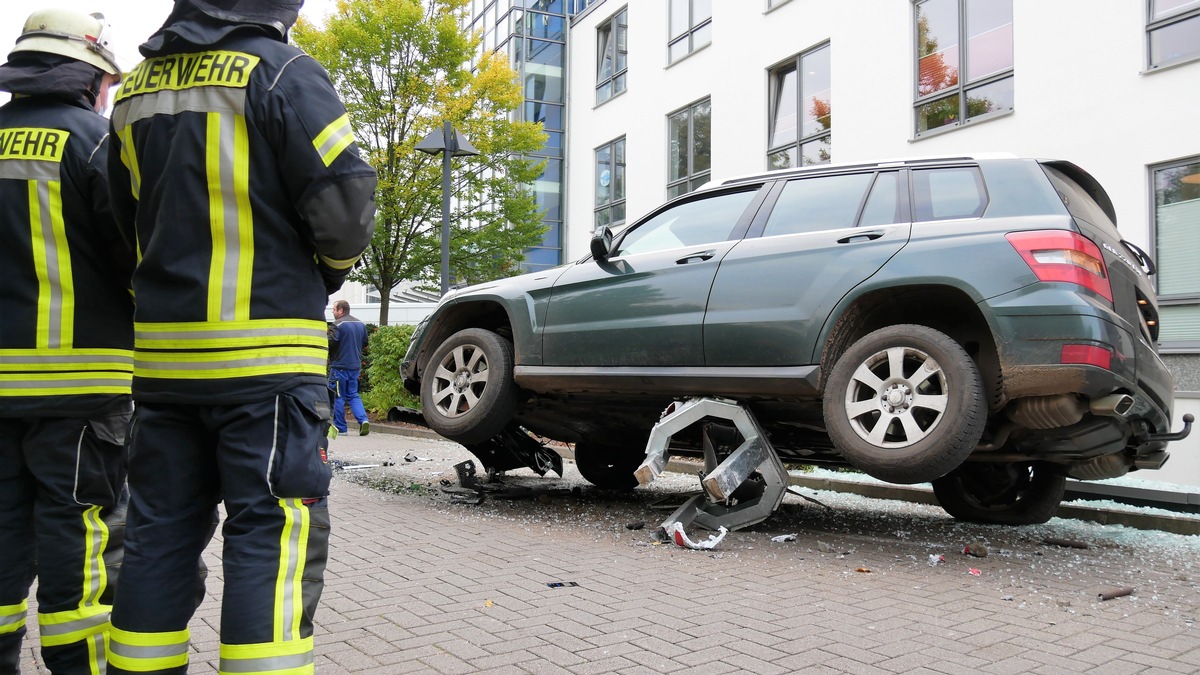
[(451, 144)]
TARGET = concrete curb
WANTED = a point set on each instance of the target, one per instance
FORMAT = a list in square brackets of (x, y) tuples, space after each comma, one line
[(907, 493)]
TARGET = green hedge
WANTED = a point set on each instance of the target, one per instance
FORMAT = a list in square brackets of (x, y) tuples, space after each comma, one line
[(387, 347)]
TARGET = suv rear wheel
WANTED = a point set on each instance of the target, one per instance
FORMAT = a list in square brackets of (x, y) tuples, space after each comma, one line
[(1022, 493), (467, 392), (905, 404)]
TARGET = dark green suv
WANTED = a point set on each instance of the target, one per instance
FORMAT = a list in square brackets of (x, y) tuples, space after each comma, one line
[(975, 322)]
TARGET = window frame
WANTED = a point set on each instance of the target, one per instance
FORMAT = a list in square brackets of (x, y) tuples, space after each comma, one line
[(757, 191), (1175, 299), (613, 202), (1177, 16), (687, 34), (618, 27), (793, 64), (691, 174), (960, 89)]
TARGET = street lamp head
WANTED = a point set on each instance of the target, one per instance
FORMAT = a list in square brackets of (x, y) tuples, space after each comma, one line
[(447, 138)]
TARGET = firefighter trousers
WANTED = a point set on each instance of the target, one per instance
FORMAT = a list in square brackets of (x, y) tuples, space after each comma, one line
[(266, 461), (62, 512)]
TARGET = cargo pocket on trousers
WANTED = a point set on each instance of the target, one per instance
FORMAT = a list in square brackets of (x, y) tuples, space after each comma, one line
[(101, 463), (298, 467)]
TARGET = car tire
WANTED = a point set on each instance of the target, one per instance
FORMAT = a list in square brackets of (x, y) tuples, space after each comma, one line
[(609, 466), (1021, 493), (467, 393), (905, 404)]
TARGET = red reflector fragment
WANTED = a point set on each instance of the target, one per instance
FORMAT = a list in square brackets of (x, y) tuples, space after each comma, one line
[(1087, 355)]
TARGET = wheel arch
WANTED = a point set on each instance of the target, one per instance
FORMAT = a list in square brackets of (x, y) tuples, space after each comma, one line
[(488, 314), (947, 309)]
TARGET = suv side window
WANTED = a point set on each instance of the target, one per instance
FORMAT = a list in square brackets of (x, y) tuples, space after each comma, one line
[(822, 203), (945, 194), (884, 206), (697, 221)]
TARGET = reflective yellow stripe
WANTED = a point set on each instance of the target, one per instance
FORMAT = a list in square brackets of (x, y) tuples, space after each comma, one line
[(62, 384), (230, 363), (130, 160), (293, 551), (64, 628), (227, 163), (230, 334), (241, 191), (145, 652), (90, 618), (292, 657), (77, 360), (333, 139), (37, 231), (66, 279), (339, 264), (216, 216), (12, 617)]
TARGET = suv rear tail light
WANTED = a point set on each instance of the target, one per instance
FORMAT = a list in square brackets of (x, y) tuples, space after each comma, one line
[(1088, 355), (1058, 255)]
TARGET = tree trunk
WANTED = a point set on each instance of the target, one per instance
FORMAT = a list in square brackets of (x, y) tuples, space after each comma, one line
[(385, 300)]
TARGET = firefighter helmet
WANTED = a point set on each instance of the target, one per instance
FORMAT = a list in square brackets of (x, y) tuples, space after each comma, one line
[(83, 37)]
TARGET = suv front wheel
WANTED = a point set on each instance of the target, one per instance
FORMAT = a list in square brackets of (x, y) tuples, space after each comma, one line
[(467, 392), (905, 404)]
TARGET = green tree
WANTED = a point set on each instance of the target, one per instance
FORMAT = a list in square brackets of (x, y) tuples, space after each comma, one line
[(403, 67)]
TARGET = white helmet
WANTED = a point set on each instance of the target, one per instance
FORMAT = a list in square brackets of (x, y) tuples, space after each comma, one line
[(83, 37)]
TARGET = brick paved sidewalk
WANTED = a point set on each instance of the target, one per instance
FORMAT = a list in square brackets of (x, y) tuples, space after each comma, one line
[(418, 584)]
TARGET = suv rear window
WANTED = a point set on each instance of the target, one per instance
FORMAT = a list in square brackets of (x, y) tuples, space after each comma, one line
[(945, 194), (1078, 202)]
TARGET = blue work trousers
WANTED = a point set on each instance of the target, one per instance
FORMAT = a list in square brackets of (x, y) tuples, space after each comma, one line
[(345, 386)]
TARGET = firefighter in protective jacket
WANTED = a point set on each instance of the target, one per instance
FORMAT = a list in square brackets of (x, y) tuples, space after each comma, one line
[(66, 344), (234, 169)]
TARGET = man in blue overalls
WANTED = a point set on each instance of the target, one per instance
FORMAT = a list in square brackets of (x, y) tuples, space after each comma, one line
[(346, 344)]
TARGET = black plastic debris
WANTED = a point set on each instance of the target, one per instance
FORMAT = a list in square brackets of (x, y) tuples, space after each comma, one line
[(561, 584), (635, 526)]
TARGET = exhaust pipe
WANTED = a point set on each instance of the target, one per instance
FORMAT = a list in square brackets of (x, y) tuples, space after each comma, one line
[(1113, 405)]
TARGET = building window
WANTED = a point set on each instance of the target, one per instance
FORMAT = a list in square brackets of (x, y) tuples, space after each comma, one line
[(691, 27), (772, 4), (964, 62), (800, 111), (611, 57), (1176, 241), (688, 142), (610, 184), (1173, 31)]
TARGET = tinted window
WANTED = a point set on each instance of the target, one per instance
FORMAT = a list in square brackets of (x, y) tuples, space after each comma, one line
[(943, 194), (883, 206), (699, 221), (1078, 202), (811, 204)]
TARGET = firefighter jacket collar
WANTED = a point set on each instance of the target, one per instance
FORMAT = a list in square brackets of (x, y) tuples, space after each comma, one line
[(189, 26), (50, 75)]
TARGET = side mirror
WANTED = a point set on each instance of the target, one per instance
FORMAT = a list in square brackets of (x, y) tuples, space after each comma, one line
[(601, 243)]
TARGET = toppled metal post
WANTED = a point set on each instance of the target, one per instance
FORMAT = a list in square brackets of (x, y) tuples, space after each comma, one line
[(753, 464)]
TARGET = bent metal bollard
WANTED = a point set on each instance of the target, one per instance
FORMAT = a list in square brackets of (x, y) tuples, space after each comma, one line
[(716, 506)]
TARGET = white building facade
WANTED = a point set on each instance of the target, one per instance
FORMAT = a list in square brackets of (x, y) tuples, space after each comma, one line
[(663, 95)]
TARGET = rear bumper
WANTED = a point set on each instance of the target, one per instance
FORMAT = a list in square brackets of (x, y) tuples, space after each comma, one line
[(1033, 325)]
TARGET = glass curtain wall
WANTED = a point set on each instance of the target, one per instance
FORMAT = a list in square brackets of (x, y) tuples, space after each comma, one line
[(533, 33)]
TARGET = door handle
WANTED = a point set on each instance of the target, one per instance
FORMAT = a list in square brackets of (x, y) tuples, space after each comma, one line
[(696, 257), (862, 236)]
